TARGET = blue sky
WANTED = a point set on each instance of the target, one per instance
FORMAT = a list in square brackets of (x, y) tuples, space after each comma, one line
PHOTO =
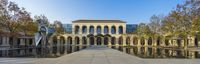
[(131, 11)]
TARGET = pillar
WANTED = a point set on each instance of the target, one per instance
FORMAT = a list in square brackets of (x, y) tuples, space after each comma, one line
[(58, 46), (88, 30), (124, 29), (80, 29), (109, 41), (117, 41), (73, 41), (139, 43), (117, 29), (95, 41), (88, 41), (170, 42), (131, 41), (109, 29), (145, 42), (163, 42), (124, 41), (73, 29), (66, 46), (95, 30), (102, 41), (80, 41), (102, 29)]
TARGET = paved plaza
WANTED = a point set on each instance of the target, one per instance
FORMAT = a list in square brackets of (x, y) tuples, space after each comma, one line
[(97, 55)]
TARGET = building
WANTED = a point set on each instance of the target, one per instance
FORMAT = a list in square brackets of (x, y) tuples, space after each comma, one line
[(88, 33)]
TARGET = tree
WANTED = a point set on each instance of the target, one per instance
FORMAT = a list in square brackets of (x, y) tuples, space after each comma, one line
[(42, 17), (155, 24), (9, 17), (59, 27), (143, 30)]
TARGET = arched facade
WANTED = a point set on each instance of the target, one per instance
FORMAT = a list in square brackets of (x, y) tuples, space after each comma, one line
[(112, 32)]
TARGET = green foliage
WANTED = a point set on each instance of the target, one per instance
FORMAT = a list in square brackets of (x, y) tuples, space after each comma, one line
[(182, 22)]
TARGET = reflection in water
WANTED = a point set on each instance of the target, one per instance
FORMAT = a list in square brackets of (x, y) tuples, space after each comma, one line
[(37, 52), (158, 52)]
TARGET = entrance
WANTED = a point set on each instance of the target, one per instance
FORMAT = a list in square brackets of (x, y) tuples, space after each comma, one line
[(98, 40)]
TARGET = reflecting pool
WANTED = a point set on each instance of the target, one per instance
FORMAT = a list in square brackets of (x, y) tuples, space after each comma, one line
[(158, 52), (39, 52)]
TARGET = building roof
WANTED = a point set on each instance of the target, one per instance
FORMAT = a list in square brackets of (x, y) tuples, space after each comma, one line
[(98, 21)]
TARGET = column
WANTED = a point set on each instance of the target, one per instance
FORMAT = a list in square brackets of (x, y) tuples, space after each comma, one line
[(109, 41), (95, 41), (95, 30), (73, 29), (102, 41), (73, 41), (139, 43), (131, 41), (58, 46), (102, 29), (88, 41), (80, 30), (88, 30), (124, 41), (117, 29), (170, 42), (109, 29), (191, 41), (117, 41), (145, 42), (124, 29), (34, 49), (163, 42), (80, 41), (66, 43)]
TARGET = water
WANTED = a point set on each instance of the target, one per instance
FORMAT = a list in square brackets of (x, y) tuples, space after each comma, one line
[(139, 51), (158, 52), (39, 52)]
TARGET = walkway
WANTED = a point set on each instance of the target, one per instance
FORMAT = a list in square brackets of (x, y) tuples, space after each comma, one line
[(97, 55)]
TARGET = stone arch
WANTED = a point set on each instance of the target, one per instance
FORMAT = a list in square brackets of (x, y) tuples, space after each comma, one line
[(150, 41), (84, 29), (98, 30), (135, 41), (113, 41), (84, 40), (106, 39), (62, 43), (127, 40), (113, 30), (91, 29), (99, 40), (120, 30), (55, 42), (77, 40), (69, 40), (106, 30), (142, 41), (77, 29), (120, 40), (91, 40)]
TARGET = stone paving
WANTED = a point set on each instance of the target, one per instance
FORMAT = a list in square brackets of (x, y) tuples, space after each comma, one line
[(97, 55)]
